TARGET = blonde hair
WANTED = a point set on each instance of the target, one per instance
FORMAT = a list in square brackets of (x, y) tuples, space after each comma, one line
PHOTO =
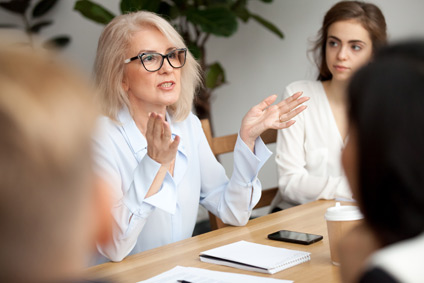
[(46, 122), (109, 64)]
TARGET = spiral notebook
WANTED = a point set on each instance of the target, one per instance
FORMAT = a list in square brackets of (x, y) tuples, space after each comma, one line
[(254, 257)]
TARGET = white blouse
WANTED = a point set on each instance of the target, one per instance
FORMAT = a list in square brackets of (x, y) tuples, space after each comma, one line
[(170, 215), (402, 260), (309, 152)]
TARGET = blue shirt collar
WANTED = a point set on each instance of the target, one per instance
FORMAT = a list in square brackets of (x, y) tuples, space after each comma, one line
[(136, 139)]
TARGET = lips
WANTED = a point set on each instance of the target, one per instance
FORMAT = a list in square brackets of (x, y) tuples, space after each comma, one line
[(166, 85), (340, 68)]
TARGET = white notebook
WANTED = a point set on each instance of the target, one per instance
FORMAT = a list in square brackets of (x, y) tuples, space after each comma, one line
[(254, 257)]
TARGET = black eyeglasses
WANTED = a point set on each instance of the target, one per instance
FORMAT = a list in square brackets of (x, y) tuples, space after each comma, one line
[(154, 61)]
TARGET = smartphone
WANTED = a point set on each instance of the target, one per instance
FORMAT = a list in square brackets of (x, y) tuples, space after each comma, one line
[(294, 237)]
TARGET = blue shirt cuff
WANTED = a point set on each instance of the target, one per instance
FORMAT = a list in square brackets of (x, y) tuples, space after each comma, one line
[(246, 163), (164, 199)]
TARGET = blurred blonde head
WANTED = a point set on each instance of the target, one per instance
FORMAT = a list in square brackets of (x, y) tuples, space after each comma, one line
[(109, 65), (46, 178)]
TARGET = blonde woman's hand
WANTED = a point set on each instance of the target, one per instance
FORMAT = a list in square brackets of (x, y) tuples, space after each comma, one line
[(266, 116), (160, 146)]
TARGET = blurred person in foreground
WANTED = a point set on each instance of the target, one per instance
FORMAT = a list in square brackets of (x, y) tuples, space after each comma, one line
[(52, 209), (383, 161)]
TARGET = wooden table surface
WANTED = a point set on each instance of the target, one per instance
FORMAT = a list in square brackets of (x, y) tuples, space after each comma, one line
[(307, 218)]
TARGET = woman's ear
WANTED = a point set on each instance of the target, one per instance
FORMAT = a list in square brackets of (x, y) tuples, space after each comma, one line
[(102, 212), (125, 85)]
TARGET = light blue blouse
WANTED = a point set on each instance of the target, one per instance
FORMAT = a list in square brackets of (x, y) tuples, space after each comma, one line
[(170, 215)]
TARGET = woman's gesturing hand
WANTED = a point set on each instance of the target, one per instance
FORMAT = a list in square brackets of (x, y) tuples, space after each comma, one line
[(265, 116), (160, 146)]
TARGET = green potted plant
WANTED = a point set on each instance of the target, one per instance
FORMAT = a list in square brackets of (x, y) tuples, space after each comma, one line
[(196, 21), (33, 20)]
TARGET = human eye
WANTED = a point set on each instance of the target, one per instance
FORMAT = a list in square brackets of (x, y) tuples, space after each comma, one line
[(149, 58), (172, 54), (333, 43), (356, 47)]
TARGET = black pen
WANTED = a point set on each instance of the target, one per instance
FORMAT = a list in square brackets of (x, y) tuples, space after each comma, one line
[(183, 281)]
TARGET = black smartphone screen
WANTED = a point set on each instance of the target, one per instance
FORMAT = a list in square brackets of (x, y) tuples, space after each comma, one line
[(295, 237)]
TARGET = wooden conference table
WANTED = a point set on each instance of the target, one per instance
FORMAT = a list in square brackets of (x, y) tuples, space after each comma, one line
[(304, 218)]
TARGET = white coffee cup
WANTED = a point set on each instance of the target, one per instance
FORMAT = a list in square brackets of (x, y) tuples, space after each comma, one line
[(340, 219)]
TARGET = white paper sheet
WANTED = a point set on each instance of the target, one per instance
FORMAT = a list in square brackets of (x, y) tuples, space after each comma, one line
[(199, 275)]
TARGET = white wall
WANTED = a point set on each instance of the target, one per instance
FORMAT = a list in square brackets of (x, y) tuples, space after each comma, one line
[(257, 63)]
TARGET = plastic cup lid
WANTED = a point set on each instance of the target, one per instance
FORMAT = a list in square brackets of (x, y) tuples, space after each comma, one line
[(343, 213)]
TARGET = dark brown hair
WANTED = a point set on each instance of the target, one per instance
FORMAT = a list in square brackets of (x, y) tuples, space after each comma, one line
[(367, 14), (385, 108)]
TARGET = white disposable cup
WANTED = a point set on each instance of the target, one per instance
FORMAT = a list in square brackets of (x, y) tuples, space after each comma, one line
[(340, 219)]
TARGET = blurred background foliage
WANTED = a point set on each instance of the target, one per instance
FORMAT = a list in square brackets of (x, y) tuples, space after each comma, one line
[(33, 20), (196, 21)]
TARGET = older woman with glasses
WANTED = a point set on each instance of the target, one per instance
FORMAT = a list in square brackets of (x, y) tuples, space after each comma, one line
[(151, 149)]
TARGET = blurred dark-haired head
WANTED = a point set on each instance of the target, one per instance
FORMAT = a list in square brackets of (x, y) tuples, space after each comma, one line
[(386, 113)]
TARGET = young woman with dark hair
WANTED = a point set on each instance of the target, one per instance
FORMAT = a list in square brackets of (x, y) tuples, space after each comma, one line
[(308, 154)]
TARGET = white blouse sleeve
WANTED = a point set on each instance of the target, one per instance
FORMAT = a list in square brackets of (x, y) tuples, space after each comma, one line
[(130, 208), (296, 184), (232, 200)]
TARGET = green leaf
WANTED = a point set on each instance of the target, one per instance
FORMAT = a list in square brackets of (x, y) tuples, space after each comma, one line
[(130, 6), (194, 50), (43, 7), (93, 11), (137, 5), (242, 13), (270, 26), (57, 42), (16, 6), (169, 12), (240, 10), (219, 21), (38, 26), (180, 3), (215, 76), (239, 4)]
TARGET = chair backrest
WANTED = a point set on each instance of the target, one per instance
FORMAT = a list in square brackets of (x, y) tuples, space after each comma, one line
[(225, 144)]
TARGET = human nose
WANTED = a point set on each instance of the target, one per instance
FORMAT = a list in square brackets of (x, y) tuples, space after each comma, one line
[(166, 66), (342, 53)]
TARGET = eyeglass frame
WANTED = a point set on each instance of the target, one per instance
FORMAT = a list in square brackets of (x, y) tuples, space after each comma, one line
[(126, 61)]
